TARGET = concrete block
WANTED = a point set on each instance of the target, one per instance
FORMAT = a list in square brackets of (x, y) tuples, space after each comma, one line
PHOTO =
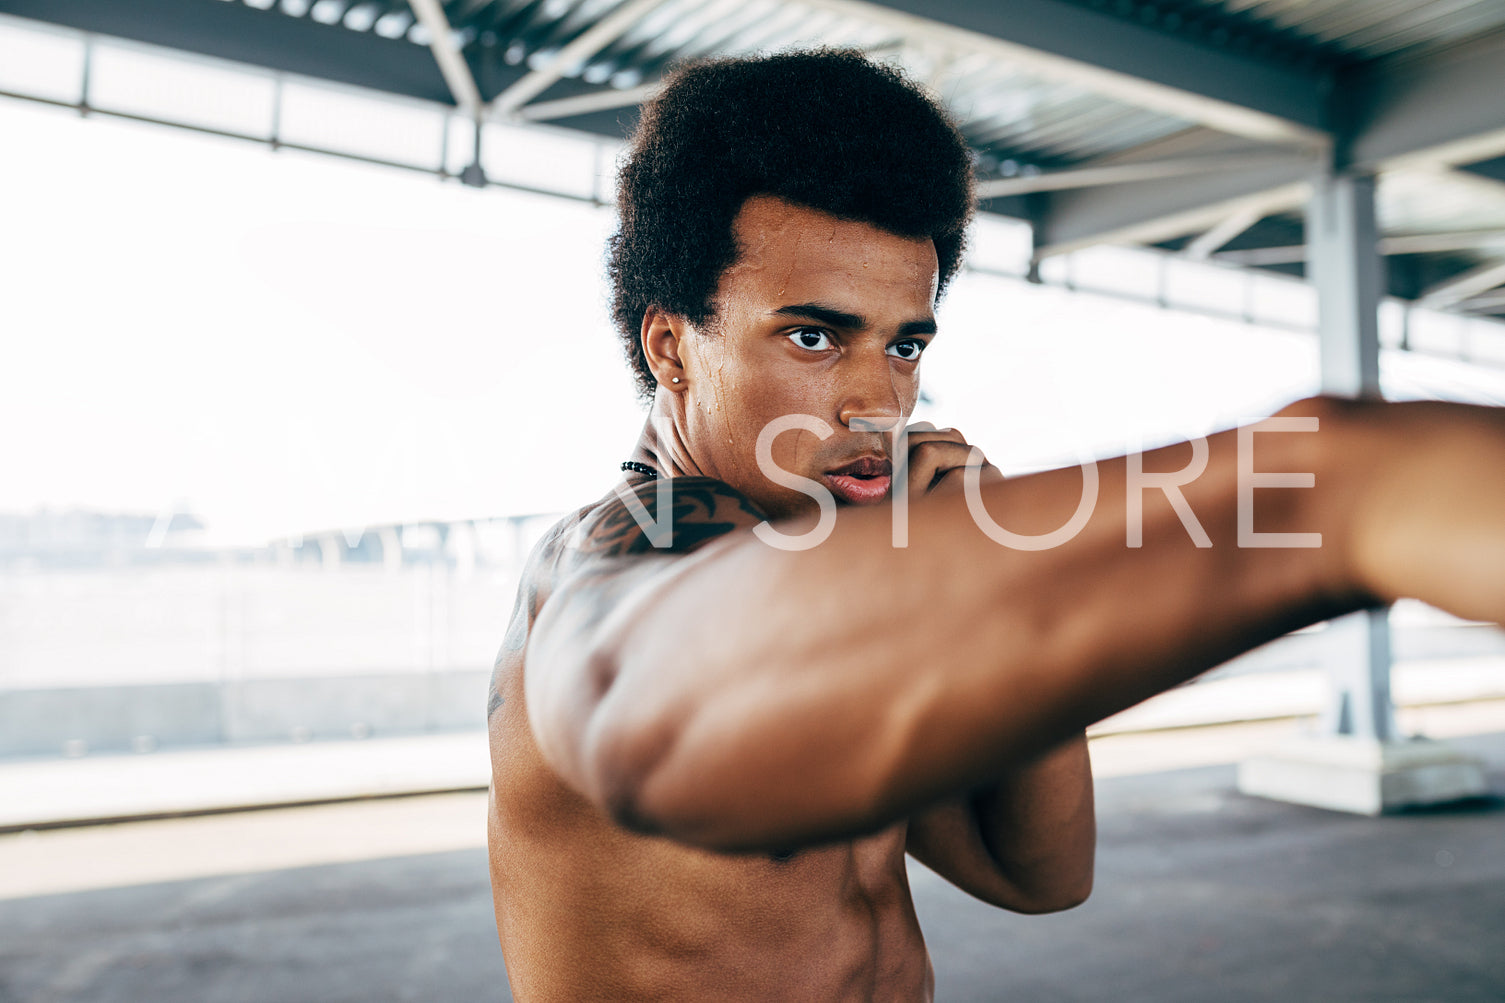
[(1362, 775)]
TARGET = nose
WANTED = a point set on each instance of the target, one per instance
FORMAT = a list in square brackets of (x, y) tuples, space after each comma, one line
[(868, 392)]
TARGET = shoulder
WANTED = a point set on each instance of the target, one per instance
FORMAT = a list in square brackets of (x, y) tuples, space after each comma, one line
[(673, 515), (664, 518), (585, 564)]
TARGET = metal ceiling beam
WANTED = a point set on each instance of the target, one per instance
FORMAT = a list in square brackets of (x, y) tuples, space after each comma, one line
[(276, 41), (1492, 303), (1151, 211), (1118, 59), (584, 104), (1167, 209), (1288, 254), (1401, 243), (462, 86), (1222, 232), (1119, 173), (244, 34), (1434, 243), (589, 42), (1443, 110), (1465, 286)]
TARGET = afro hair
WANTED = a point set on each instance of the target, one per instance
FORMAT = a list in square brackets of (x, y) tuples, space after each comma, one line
[(829, 130)]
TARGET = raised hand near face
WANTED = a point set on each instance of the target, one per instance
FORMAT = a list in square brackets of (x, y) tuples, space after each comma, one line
[(939, 456)]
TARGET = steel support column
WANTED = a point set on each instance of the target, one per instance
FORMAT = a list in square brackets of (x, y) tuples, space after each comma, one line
[(1344, 266), (1357, 762)]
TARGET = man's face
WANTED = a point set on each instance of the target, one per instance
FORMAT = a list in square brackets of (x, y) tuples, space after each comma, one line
[(819, 317)]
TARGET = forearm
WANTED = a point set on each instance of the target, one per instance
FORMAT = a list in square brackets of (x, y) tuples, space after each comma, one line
[(1038, 824), (768, 696)]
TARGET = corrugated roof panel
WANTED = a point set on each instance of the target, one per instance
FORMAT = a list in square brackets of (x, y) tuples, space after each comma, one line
[(1366, 29), (1000, 108)]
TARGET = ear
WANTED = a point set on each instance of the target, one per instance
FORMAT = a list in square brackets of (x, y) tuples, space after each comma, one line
[(662, 336)]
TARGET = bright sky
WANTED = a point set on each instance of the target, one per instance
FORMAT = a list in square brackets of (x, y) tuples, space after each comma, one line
[(286, 342), (289, 341)]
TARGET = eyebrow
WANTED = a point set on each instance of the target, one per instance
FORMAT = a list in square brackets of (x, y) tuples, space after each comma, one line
[(851, 321)]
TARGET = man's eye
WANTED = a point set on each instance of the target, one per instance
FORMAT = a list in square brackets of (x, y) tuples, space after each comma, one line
[(908, 349), (811, 338)]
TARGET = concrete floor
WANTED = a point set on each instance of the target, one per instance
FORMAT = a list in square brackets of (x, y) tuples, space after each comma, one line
[(1201, 895), (1205, 895)]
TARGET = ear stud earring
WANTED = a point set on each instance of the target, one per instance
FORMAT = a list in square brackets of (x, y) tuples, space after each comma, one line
[(676, 379)]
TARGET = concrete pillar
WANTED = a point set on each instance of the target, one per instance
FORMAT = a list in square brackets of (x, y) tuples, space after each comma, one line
[(1356, 761)]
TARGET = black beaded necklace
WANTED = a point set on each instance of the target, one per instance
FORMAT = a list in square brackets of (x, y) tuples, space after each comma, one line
[(640, 468)]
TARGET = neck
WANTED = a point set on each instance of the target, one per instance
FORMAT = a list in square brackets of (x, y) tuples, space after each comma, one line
[(662, 444)]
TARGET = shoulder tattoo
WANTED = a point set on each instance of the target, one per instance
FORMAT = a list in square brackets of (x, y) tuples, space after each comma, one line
[(700, 509)]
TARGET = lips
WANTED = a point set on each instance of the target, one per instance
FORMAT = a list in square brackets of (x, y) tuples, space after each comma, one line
[(864, 481)]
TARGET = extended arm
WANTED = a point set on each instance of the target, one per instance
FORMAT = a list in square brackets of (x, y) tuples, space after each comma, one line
[(750, 697)]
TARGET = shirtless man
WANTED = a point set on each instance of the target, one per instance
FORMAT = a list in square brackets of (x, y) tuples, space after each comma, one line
[(715, 737)]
